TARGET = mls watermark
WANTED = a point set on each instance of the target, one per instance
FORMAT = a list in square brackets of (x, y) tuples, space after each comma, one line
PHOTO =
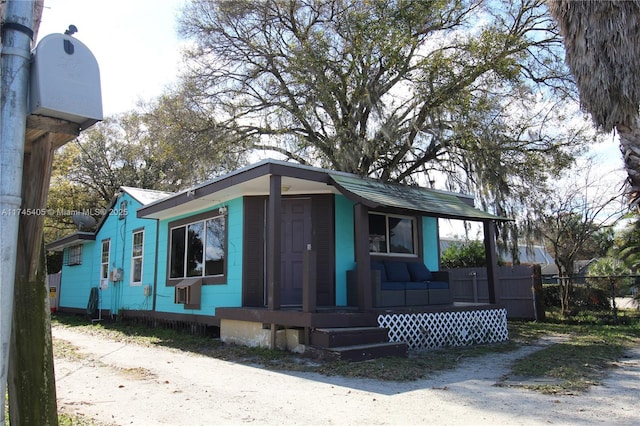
[(63, 212)]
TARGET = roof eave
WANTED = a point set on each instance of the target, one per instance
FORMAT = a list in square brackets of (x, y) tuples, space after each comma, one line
[(478, 215), (260, 169), (70, 240)]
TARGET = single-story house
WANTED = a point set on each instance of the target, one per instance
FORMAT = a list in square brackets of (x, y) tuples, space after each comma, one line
[(270, 253), (118, 257)]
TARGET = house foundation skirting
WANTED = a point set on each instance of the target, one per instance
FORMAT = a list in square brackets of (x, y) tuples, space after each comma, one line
[(255, 334), (448, 328), (197, 325)]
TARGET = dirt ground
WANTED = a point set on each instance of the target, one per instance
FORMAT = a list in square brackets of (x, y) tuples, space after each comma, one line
[(126, 384)]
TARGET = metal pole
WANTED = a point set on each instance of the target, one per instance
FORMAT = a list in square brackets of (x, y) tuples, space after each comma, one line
[(17, 33), (474, 283)]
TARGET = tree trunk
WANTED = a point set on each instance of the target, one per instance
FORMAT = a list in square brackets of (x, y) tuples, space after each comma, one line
[(565, 293), (32, 389), (565, 281), (630, 147)]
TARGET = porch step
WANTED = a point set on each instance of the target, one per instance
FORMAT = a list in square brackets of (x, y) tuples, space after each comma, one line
[(365, 352), (354, 343), (347, 336)]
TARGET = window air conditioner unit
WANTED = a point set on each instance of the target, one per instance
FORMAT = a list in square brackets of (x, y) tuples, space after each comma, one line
[(183, 295)]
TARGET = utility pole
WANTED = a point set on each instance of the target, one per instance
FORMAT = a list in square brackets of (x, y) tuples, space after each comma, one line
[(17, 33)]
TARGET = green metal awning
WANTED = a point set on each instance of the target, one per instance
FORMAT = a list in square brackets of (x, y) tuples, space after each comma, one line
[(375, 194)]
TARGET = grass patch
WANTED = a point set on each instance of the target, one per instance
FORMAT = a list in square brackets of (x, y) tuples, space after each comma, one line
[(146, 336), (419, 365), (64, 349), (591, 346), (65, 419), (588, 317)]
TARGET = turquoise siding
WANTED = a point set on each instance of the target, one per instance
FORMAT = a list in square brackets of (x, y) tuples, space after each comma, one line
[(213, 295), (123, 294), (78, 280), (345, 248), (430, 243)]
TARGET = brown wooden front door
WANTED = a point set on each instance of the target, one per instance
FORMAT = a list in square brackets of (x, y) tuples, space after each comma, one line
[(296, 238)]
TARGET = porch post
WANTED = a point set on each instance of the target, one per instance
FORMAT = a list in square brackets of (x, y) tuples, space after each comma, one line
[(492, 258), (273, 243), (363, 259), (309, 285)]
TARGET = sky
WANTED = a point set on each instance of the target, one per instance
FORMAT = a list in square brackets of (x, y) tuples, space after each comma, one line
[(134, 41)]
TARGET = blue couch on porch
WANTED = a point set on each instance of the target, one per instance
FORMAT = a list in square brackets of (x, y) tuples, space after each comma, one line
[(406, 283)]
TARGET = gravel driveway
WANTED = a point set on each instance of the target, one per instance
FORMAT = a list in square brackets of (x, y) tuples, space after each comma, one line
[(127, 384)]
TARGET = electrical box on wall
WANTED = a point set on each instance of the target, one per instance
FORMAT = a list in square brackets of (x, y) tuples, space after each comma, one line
[(116, 275), (147, 290), (65, 81)]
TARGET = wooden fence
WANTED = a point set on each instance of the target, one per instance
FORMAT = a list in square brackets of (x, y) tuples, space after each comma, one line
[(514, 290)]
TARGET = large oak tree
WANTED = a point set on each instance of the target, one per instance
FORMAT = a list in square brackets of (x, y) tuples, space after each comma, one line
[(406, 91)]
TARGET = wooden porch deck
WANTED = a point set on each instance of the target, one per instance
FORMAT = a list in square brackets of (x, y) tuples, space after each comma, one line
[(335, 316), (350, 334), (296, 317)]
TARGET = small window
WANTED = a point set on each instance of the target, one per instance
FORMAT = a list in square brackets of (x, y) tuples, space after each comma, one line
[(177, 252), (392, 234), (136, 257), (122, 212), (73, 255), (377, 233), (214, 252), (195, 249), (104, 260)]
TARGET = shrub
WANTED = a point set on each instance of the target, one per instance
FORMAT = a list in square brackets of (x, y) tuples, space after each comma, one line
[(469, 254), (608, 267), (581, 297)]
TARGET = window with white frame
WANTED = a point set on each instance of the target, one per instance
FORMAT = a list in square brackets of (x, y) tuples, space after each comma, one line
[(392, 234), (104, 260), (137, 244), (198, 249)]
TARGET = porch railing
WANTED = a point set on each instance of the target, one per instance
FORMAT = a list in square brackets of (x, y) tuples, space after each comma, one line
[(518, 289)]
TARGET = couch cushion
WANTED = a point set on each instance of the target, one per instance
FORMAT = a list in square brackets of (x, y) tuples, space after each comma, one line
[(419, 272), (416, 285), (392, 285), (438, 285), (397, 271), (379, 266)]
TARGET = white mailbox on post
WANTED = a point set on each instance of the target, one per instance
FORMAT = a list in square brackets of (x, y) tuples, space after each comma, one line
[(65, 81)]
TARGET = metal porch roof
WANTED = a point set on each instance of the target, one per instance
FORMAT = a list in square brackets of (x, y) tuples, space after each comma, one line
[(375, 194)]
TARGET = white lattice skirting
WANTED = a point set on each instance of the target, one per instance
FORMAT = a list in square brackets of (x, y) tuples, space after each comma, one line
[(436, 329)]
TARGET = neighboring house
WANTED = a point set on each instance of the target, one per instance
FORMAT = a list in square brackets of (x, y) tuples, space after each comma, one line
[(261, 249)]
